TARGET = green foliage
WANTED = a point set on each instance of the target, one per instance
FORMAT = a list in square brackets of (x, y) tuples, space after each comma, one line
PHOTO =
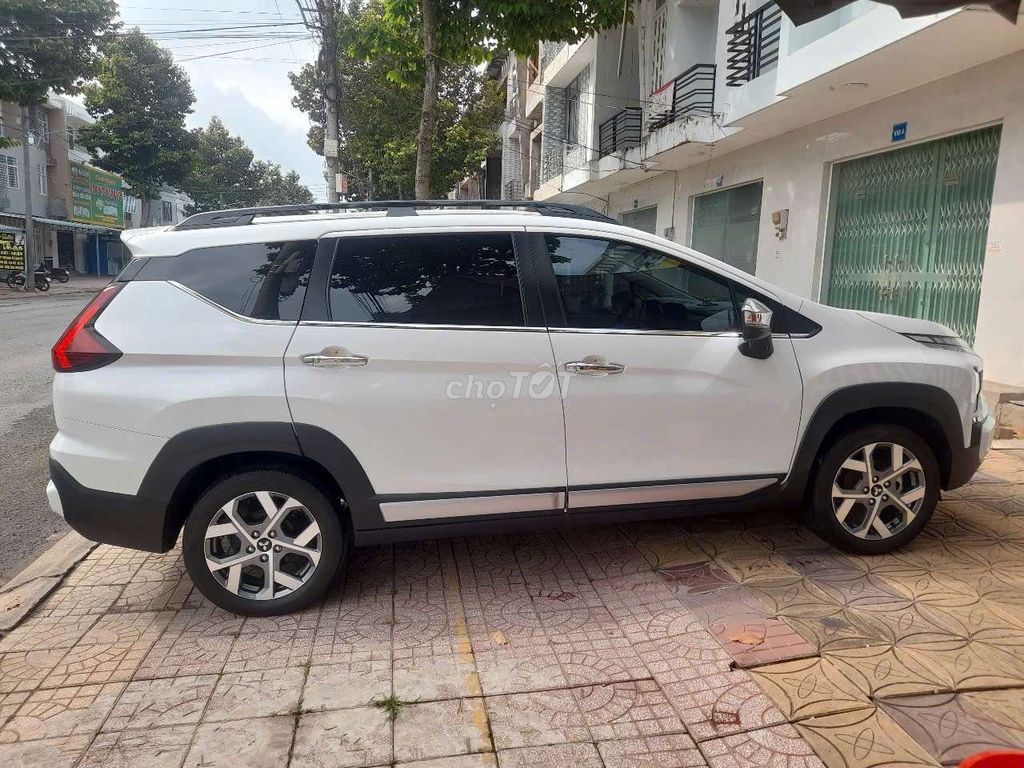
[(223, 174), (140, 101), (379, 111), (470, 32), (50, 45), (390, 706), (219, 174), (271, 187)]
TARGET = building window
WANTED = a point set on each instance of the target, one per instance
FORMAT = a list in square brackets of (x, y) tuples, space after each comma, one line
[(44, 127), (168, 211), (72, 139), (42, 181), (572, 111), (9, 172)]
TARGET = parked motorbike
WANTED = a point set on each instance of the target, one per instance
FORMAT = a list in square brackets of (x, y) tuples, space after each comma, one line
[(60, 274), (42, 279)]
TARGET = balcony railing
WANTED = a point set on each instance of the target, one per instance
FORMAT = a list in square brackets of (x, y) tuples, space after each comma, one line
[(753, 46), (621, 131), (693, 93), (513, 189)]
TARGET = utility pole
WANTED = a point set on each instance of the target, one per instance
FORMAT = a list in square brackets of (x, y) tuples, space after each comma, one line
[(320, 17), (26, 133)]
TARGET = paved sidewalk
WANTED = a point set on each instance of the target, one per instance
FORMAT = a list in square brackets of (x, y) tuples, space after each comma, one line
[(78, 284), (727, 643)]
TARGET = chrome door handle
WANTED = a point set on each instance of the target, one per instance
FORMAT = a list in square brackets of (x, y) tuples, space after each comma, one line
[(594, 365), (335, 357)]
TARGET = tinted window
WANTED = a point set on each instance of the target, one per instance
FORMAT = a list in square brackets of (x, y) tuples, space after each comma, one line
[(261, 280), (607, 284), (460, 279)]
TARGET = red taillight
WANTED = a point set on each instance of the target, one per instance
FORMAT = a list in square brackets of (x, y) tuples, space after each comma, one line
[(81, 347)]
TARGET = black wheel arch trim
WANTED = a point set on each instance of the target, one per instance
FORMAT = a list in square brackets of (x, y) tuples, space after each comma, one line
[(930, 401)]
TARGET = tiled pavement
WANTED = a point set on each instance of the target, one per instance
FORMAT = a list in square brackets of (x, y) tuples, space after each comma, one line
[(727, 643)]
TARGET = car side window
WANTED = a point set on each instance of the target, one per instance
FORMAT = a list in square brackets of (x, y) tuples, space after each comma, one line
[(617, 285), (266, 281), (433, 279)]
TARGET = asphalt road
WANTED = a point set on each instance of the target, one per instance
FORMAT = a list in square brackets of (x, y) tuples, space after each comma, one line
[(30, 327)]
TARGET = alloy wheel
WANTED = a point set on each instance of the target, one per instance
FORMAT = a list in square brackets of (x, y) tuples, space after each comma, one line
[(878, 491), (262, 545)]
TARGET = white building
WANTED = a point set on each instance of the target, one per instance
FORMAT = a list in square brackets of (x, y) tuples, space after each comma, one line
[(862, 160)]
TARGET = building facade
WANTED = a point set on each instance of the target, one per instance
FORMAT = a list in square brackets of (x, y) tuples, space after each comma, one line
[(861, 160), (78, 210)]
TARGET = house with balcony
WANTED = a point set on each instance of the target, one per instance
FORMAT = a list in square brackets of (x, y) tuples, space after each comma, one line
[(862, 160)]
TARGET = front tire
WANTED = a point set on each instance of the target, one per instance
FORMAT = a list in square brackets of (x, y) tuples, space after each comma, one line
[(264, 542), (875, 489), (42, 285)]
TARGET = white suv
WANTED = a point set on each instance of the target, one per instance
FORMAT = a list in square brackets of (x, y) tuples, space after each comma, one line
[(283, 383)]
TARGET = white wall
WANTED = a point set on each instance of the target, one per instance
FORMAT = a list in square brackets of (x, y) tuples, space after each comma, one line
[(796, 168)]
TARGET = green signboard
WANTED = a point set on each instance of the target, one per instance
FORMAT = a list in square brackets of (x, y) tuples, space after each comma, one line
[(97, 197), (12, 251)]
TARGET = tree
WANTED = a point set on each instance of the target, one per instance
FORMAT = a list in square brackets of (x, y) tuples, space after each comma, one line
[(271, 187), (220, 173), (379, 110), (140, 100), (50, 45), (223, 174), (455, 32)]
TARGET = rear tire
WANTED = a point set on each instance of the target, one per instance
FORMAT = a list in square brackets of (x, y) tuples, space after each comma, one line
[(875, 489), (42, 285), (14, 280), (264, 542), (63, 277)]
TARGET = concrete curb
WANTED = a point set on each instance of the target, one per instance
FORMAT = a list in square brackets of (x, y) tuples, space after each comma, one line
[(21, 295), (20, 595)]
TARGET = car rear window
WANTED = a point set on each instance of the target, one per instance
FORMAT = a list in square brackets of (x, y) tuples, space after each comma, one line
[(266, 281)]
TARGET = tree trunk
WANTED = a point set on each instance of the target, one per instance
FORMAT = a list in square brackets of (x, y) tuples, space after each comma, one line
[(428, 114)]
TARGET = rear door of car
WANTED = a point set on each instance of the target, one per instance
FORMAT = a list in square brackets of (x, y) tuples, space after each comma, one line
[(424, 354)]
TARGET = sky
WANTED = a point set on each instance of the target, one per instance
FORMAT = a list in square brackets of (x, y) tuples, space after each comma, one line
[(238, 54)]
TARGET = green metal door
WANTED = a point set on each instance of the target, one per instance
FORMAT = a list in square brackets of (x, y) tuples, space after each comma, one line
[(909, 229)]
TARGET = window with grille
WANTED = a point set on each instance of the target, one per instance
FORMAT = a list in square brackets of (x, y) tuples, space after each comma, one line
[(44, 127), (572, 111), (9, 172), (167, 211), (41, 180)]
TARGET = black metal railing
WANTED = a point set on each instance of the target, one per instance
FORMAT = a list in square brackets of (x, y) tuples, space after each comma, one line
[(620, 131), (753, 46), (513, 189), (693, 93)]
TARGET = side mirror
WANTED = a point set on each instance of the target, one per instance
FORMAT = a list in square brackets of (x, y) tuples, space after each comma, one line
[(757, 330)]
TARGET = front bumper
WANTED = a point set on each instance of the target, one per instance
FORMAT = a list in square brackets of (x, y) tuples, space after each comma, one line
[(109, 518), (965, 462)]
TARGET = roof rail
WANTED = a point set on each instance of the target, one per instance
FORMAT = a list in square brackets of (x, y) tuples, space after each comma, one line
[(241, 216)]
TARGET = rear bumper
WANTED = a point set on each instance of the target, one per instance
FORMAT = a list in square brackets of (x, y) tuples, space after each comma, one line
[(109, 518), (965, 462)]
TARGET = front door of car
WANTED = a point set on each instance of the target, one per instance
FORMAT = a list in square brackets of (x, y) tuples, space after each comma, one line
[(429, 362), (660, 403)]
